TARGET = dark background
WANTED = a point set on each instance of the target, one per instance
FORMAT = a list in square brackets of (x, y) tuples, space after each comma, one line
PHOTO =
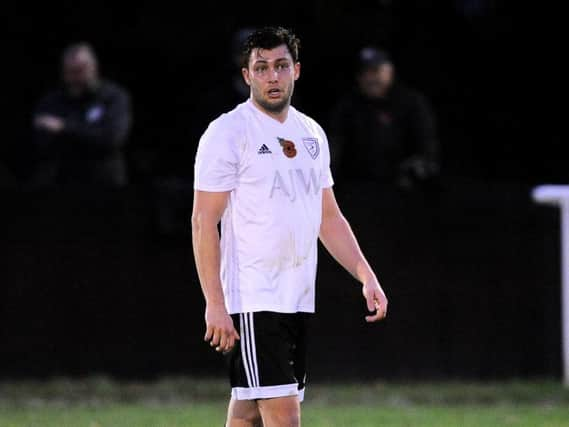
[(104, 282)]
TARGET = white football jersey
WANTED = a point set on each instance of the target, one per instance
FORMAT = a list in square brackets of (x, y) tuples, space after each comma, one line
[(275, 173)]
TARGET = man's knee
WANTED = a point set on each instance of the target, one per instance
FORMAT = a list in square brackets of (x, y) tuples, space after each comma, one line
[(288, 419), (244, 413), (245, 419), (280, 412)]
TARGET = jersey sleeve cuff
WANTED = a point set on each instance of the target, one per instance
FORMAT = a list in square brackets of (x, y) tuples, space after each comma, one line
[(214, 189)]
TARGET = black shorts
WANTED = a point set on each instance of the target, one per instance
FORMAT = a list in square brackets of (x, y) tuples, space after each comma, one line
[(270, 359)]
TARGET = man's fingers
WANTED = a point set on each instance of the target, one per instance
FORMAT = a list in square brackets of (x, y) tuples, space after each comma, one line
[(380, 309), (222, 338), (230, 343), (222, 341), (381, 303), (216, 336), (370, 302), (379, 315), (233, 336), (208, 333), (374, 318)]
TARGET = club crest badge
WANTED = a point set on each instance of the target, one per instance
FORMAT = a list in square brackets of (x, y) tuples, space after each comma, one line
[(312, 146), (289, 149)]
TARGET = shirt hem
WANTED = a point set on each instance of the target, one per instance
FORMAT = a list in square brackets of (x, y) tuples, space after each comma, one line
[(213, 189), (267, 392), (246, 309)]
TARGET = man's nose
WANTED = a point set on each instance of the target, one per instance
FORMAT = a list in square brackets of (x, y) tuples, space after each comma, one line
[(273, 74)]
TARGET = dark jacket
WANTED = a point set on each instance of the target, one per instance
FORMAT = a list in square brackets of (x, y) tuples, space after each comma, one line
[(89, 150), (386, 140)]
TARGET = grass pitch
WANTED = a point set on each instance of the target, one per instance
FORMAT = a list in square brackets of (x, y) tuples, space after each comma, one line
[(173, 402)]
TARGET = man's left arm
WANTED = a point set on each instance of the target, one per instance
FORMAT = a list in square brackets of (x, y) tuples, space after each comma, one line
[(340, 241)]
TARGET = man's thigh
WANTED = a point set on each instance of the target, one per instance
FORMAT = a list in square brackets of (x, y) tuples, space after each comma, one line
[(243, 413)]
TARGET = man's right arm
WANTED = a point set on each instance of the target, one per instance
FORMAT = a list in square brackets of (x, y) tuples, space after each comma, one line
[(207, 211)]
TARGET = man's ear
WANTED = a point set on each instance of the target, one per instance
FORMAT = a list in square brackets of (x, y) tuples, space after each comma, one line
[(245, 74), (296, 70)]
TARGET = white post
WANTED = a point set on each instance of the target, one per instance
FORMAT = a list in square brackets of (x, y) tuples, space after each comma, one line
[(559, 195), (565, 287)]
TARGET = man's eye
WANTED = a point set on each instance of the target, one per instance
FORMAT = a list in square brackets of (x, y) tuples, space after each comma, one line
[(261, 69), (283, 67)]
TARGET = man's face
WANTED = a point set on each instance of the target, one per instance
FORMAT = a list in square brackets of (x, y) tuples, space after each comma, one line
[(271, 74), (79, 72), (374, 82)]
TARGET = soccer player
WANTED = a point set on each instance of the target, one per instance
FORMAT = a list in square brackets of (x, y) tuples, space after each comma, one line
[(263, 171)]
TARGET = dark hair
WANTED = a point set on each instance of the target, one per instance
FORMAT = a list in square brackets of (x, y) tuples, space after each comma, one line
[(269, 38)]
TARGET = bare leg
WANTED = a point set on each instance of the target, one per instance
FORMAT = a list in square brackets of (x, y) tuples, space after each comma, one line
[(280, 411), (243, 413)]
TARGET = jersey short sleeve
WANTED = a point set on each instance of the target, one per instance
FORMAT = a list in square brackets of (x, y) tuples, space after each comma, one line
[(218, 156)]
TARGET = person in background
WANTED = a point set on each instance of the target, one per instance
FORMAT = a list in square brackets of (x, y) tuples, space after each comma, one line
[(383, 131), (81, 127)]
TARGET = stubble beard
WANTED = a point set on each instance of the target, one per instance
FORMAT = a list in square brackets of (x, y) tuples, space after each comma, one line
[(274, 107)]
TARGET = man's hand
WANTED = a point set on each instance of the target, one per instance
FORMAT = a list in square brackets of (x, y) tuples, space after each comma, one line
[(49, 123), (220, 331), (375, 299)]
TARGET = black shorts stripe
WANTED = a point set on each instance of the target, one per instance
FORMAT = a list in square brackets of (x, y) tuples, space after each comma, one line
[(253, 344), (244, 352)]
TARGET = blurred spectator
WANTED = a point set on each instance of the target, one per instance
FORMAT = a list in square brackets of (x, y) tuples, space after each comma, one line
[(383, 131), (80, 128)]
